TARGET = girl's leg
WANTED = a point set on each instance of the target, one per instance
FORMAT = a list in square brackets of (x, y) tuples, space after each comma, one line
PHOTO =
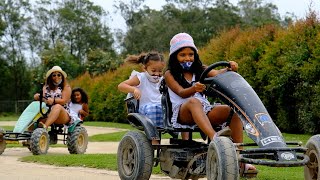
[(185, 135), (237, 129), (219, 115), (57, 115), (192, 112)]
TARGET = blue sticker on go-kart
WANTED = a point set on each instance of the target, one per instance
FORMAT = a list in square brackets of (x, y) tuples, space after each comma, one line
[(263, 118)]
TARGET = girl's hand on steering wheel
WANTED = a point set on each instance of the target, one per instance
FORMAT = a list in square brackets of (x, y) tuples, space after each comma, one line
[(199, 87), (49, 101)]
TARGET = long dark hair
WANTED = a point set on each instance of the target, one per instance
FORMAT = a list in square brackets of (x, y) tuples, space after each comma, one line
[(84, 95), (177, 71), (49, 82)]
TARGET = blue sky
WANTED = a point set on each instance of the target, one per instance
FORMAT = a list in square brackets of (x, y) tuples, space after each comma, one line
[(298, 7)]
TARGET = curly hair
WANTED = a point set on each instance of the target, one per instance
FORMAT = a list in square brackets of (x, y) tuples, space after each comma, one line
[(84, 95)]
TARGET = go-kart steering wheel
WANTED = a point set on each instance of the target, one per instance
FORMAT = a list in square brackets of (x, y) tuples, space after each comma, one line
[(212, 66)]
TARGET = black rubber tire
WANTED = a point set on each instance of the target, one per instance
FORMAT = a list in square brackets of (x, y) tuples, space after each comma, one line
[(312, 169), (135, 156), (3, 143), (53, 137), (77, 141), (222, 162), (39, 143)]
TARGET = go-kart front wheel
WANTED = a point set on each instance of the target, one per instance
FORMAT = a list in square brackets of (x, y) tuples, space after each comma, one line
[(222, 161), (77, 141), (311, 170), (39, 143), (135, 156), (3, 143)]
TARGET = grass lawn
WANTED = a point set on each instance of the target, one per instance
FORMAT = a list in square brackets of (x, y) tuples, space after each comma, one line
[(9, 117), (109, 161)]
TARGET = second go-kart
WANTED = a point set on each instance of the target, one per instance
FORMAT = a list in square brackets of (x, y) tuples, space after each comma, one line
[(29, 131), (220, 158)]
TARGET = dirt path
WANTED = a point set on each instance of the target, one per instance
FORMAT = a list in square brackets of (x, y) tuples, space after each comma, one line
[(13, 169)]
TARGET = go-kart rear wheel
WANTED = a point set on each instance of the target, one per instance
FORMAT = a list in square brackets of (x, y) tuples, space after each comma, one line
[(222, 161), (135, 156), (3, 143), (311, 170), (77, 141), (39, 143)]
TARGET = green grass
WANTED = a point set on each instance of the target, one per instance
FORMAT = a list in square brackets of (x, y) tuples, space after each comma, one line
[(9, 117), (10, 128), (108, 124), (99, 161), (110, 137), (117, 136)]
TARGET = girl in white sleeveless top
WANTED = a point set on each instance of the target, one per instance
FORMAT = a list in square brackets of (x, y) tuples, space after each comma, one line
[(79, 103)]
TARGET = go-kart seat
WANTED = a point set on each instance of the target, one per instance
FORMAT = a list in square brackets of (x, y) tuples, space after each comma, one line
[(166, 106), (132, 104)]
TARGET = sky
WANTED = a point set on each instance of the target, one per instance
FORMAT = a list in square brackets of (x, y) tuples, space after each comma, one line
[(298, 7)]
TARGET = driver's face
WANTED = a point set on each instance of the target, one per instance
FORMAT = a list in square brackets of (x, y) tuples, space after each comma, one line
[(185, 55)]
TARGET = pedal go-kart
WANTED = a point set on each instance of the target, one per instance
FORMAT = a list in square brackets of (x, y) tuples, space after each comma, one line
[(38, 139), (218, 159)]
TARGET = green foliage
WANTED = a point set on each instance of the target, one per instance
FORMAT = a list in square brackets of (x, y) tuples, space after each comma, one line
[(256, 14), (282, 65), (152, 30), (99, 62), (60, 56), (286, 71)]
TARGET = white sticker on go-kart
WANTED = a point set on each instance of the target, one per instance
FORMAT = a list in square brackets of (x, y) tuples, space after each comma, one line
[(287, 156), (263, 118), (249, 128), (270, 139)]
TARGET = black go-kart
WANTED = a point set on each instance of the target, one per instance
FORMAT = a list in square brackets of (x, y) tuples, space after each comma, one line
[(28, 130), (220, 158)]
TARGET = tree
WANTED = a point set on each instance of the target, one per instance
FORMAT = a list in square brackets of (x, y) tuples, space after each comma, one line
[(82, 28), (255, 14), (152, 30), (13, 14), (100, 62)]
